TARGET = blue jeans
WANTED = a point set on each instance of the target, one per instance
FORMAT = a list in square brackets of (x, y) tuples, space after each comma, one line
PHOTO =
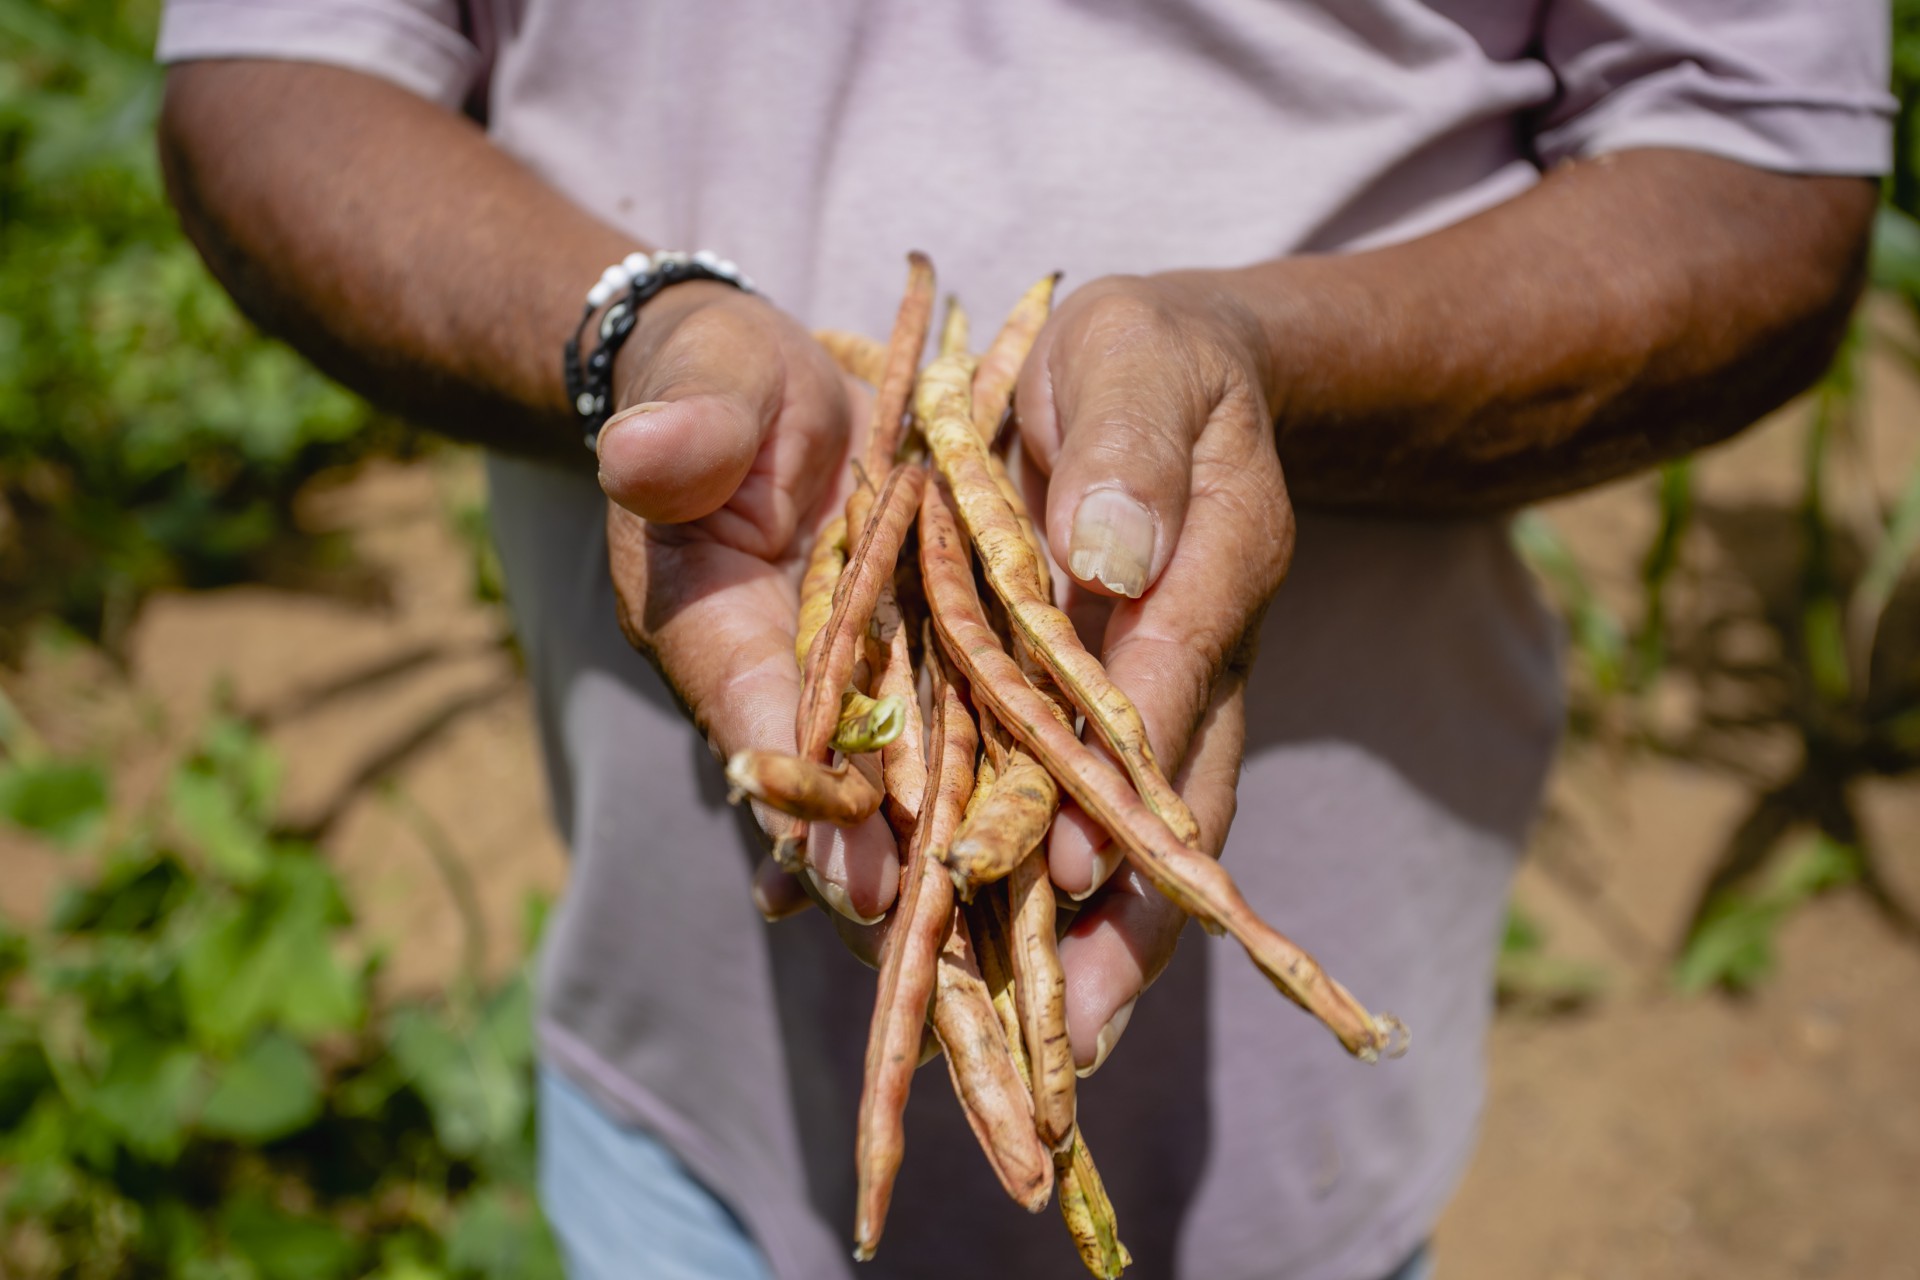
[(622, 1205)]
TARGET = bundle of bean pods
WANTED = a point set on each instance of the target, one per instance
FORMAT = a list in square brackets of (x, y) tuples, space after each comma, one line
[(970, 780)]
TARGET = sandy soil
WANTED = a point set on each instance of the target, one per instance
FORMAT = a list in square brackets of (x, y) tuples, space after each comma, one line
[(1640, 1135)]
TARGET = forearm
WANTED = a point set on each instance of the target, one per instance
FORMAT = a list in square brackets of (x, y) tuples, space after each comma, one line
[(1625, 311), (389, 241)]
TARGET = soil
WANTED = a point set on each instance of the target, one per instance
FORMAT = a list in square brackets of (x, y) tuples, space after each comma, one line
[(1631, 1133)]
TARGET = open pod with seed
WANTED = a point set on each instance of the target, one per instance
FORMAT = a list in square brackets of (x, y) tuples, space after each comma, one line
[(971, 946)]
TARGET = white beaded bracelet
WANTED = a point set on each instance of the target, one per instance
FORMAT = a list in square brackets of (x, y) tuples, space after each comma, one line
[(590, 382)]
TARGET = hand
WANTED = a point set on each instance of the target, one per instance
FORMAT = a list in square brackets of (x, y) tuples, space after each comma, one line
[(1144, 401), (728, 454)]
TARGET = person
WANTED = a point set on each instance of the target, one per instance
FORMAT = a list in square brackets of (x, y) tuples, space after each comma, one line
[(1357, 275)]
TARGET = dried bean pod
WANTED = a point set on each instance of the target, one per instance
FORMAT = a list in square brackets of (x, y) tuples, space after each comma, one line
[(1199, 885), (868, 724), (1084, 1203), (855, 353), (803, 789), (921, 918), (824, 563), (1011, 567), (985, 1079), (999, 368)]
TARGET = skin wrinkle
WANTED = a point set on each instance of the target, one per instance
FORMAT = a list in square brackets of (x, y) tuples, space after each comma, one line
[(1688, 331), (243, 143), (321, 196)]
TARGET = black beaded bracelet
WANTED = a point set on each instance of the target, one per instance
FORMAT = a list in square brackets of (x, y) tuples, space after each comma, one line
[(590, 381)]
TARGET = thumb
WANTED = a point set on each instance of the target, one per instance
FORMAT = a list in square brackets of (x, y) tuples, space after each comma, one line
[(1118, 438), (699, 409)]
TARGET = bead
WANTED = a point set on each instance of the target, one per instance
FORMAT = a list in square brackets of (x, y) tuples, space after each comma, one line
[(706, 258), (636, 264), (585, 403), (598, 295), (728, 268), (614, 277)]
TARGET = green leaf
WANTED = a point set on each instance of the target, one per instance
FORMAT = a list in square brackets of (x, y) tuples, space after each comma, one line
[(365, 1094), (1896, 252), (501, 1236), (477, 1097), (205, 810), (133, 894), (61, 800), (172, 1229), (1597, 633), (230, 973), (147, 1096), (1886, 566), (269, 960), (41, 1179), (285, 1246), (407, 1269), (270, 1091), (1522, 936), (1824, 637), (248, 765), (1733, 945), (1528, 977), (508, 1022), (1657, 568), (14, 950), (24, 1074), (535, 908)]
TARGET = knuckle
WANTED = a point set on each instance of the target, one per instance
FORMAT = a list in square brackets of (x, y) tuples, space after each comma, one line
[(1125, 313), (1171, 680)]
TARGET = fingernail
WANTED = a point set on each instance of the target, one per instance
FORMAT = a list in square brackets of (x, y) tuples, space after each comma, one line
[(1108, 1037), (772, 910), (1106, 860), (1112, 542), (619, 420), (836, 897)]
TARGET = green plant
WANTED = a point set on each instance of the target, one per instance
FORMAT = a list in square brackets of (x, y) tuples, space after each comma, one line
[(1732, 945), (1529, 978), (1847, 689), (148, 436), (196, 1080)]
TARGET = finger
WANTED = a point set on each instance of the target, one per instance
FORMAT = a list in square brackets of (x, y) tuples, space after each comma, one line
[(1122, 940), (855, 868), (863, 940), (708, 393), (1167, 650), (719, 625), (1115, 419), (1080, 853), (777, 894)]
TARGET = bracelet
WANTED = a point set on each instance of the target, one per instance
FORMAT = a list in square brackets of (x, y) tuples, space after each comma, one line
[(590, 381)]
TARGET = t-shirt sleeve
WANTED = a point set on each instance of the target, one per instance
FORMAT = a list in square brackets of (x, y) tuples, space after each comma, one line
[(417, 44), (1797, 86)]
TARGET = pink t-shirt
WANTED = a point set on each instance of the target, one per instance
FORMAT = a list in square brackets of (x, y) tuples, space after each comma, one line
[(1406, 701)]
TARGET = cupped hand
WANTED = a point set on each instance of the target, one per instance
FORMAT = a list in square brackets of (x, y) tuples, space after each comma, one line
[(1144, 404), (728, 454)]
